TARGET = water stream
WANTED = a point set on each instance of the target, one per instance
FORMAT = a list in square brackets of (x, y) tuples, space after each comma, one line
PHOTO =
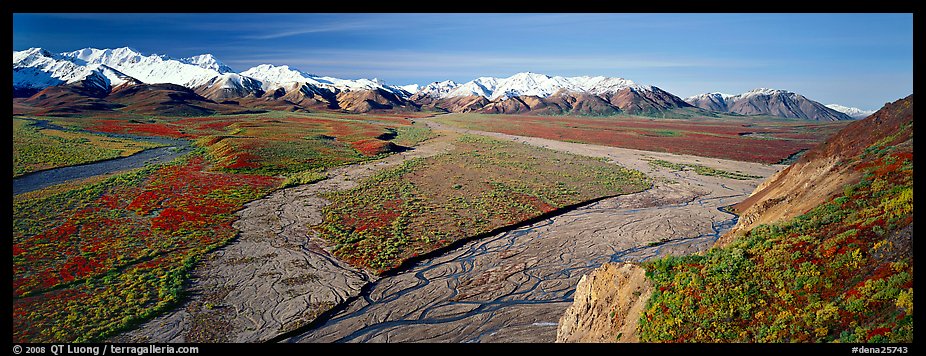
[(45, 178)]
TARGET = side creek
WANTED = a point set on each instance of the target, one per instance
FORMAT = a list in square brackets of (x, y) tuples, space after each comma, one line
[(46, 178)]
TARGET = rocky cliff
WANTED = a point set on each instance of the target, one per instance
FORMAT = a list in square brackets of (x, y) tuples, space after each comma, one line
[(607, 304)]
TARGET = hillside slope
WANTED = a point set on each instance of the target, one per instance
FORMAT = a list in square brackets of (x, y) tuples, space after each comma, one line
[(821, 173), (808, 262)]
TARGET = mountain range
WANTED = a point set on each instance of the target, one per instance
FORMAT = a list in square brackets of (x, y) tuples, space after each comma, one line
[(97, 80), (854, 113), (763, 101)]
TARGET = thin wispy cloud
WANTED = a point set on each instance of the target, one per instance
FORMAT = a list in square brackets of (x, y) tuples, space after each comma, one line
[(304, 29), (364, 58)]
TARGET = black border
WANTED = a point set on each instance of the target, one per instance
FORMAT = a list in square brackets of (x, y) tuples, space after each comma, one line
[(498, 6)]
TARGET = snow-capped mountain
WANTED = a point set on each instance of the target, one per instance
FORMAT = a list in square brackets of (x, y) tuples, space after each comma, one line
[(711, 101), (35, 69), (409, 88), (482, 86), (189, 72), (764, 101), (540, 85), (436, 90), (230, 85), (98, 72), (540, 93), (855, 113), (273, 76), (207, 61)]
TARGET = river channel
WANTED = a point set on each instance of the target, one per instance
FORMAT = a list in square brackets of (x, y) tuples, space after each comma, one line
[(46, 178)]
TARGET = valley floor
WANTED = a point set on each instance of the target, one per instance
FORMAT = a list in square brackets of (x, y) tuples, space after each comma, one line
[(510, 287)]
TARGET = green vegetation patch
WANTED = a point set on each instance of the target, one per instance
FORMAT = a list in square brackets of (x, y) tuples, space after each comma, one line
[(842, 272), (304, 177), (37, 149), (482, 185), (412, 135), (701, 170), (95, 259), (297, 144)]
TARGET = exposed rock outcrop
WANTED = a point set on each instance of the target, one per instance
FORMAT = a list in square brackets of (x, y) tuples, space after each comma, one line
[(606, 305)]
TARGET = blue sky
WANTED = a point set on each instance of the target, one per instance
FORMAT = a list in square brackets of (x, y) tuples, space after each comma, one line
[(861, 60)]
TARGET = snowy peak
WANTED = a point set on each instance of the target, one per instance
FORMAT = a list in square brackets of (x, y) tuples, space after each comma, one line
[(230, 85), (549, 95), (602, 85), (482, 86), (526, 83), (710, 96), (152, 69), (541, 85), (727, 99), (765, 91), (36, 69), (271, 74), (410, 88), (855, 113), (29, 56), (112, 56), (208, 61), (712, 101), (437, 90)]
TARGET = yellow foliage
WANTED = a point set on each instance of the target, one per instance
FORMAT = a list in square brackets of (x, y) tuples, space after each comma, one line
[(878, 245), (905, 300), (899, 266), (855, 258), (821, 332), (828, 312), (901, 204)]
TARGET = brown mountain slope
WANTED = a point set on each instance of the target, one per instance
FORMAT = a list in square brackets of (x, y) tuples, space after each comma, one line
[(786, 104), (166, 99), (455, 104), (562, 102), (361, 101), (628, 100), (64, 100), (308, 97), (295, 97), (645, 102), (229, 87), (823, 171)]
